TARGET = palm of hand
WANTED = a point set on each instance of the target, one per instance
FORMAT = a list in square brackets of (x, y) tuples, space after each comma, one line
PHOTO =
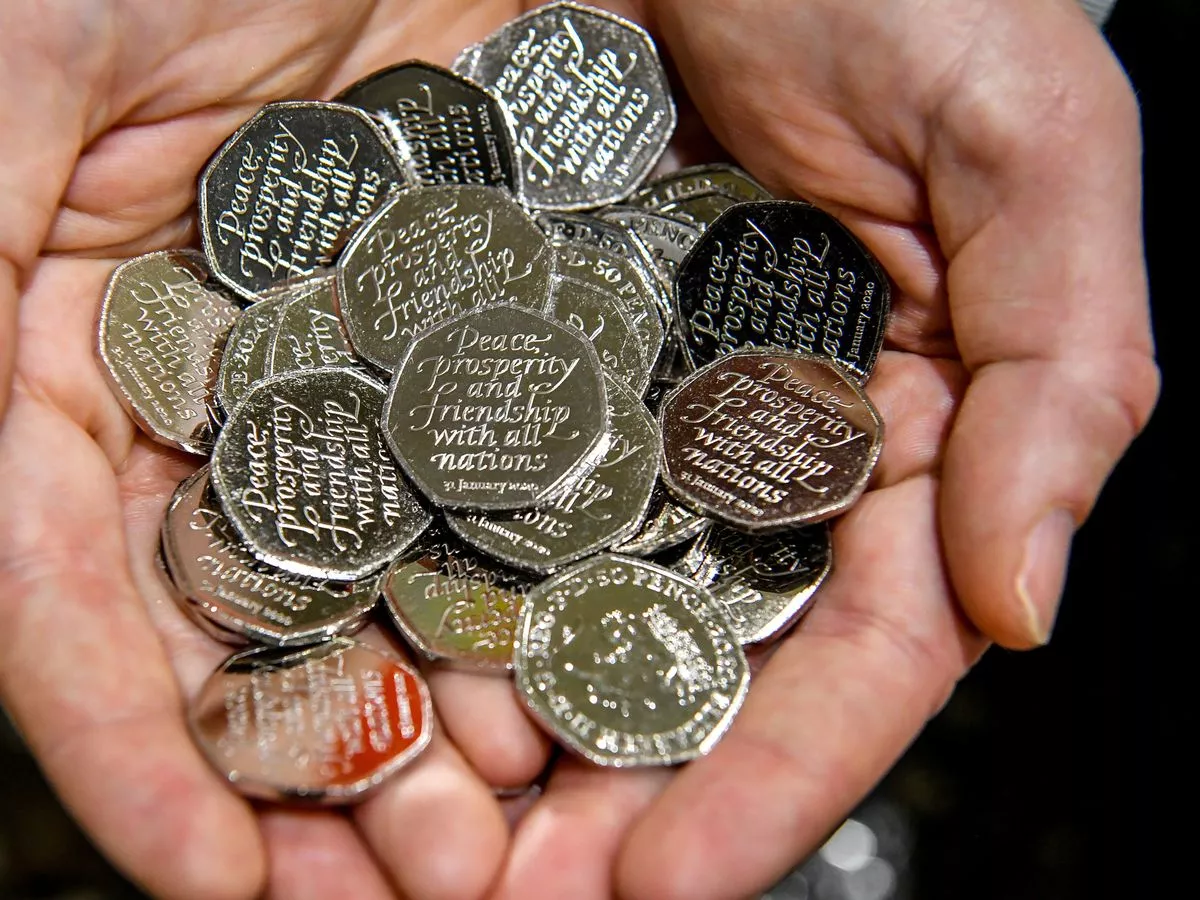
[(96, 659)]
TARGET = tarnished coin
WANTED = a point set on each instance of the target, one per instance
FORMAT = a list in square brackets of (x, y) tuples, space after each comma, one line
[(309, 333), (162, 329), (449, 130), (247, 351), (286, 190), (432, 253), (629, 663), (589, 99), (601, 317), (227, 585), (666, 525), (769, 439), (603, 508), (668, 240), (455, 605), (302, 471), (782, 274), (496, 409), (683, 184), (766, 582), (325, 723)]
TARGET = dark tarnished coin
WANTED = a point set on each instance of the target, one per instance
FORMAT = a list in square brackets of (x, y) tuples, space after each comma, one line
[(683, 184), (431, 253), (162, 329), (283, 194), (600, 509), (496, 409), (454, 604), (668, 240), (766, 582), (325, 723), (768, 439), (222, 580), (628, 663), (667, 525), (247, 351), (589, 99), (303, 473), (309, 334), (782, 274), (602, 319), (450, 130)]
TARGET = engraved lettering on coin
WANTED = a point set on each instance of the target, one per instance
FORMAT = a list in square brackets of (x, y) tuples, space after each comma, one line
[(668, 240), (303, 473), (309, 334), (628, 663), (432, 253), (666, 525), (699, 210), (247, 351), (496, 409), (766, 440), (589, 99), (600, 509), (602, 319), (286, 190), (223, 581), (729, 181), (326, 723), (163, 326), (782, 274), (449, 129)]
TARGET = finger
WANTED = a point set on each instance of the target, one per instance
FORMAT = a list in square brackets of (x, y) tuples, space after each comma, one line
[(830, 712), (566, 844), (487, 723), (317, 855), (86, 679)]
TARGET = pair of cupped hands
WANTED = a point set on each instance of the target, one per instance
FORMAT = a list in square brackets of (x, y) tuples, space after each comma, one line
[(987, 151)]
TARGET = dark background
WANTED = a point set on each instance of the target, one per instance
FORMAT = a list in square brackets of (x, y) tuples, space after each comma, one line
[(1059, 774)]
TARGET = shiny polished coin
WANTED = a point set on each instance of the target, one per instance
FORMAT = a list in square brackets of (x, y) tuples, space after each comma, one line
[(496, 409), (766, 582), (223, 581), (309, 333), (455, 605), (192, 610), (247, 351), (699, 211), (432, 253), (449, 130), (667, 524), (325, 723), (725, 180), (302, 471), (768, 439), (602, 319), (628, 663), (286, 190), (589, 99), (668, 240), (782, 274), (162, 329), (600, 509)]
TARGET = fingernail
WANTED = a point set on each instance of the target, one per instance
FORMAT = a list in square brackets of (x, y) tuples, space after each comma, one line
[(1040, 582)]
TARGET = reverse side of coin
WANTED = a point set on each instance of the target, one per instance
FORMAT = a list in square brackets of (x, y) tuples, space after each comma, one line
[(303, 473), (247, 351), (432, 253), (227, 585), (765, 440), (589, 99), (628, 663), (782, 274), (326, 723), (699, 210), (602, 319), (163, 326), (449, 129), (666, 525), (766, 582), (600, 509), (284, 193), (683, 184), (496, 409), (309, 333)]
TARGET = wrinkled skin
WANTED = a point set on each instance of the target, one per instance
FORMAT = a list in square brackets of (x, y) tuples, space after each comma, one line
[(988, 152)]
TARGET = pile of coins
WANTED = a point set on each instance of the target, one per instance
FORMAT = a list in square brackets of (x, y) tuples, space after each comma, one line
[(446, 345)]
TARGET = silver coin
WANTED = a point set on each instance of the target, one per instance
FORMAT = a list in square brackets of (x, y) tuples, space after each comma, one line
[(668, 240), (449, 130), (431, 253), (666, 525), (496, 409), (247, 351), (628, 663), (604, 508), (766, 583), (284, 193), (163, 325), (601, 317), (225, 584), (326, 723), (453, 604), (309, 334), (765, 440), (719, 178), (192, 610), (303, 473), (464, 63), (589, 98), (699, 210)]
